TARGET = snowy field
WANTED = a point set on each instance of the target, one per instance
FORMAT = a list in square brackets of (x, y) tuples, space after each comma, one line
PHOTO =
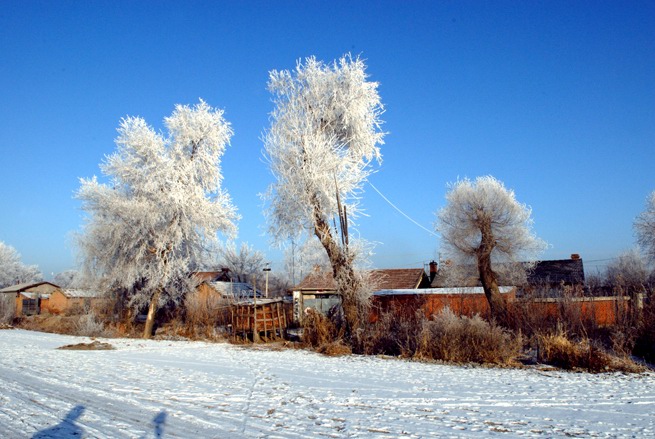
[(147, 389)]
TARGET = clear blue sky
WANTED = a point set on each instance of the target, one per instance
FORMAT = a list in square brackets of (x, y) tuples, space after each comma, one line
[(556, 99)]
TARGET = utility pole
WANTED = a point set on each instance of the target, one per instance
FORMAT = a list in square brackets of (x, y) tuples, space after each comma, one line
[(255, 330), (266, 270)]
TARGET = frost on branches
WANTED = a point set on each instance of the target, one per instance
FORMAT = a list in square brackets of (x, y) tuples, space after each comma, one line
[(163, 205), (645, 228), (323, 141), (482, 224), (243, 263), (12, 269)]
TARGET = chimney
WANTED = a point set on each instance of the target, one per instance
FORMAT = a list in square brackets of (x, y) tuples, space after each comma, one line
[(575, 256), (433, 270)]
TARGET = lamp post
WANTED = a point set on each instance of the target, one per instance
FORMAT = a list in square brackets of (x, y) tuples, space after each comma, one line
[(267, 268)]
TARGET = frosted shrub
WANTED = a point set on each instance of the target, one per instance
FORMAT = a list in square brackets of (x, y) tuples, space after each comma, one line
[(89, 326), (449, 337), (7, 308)]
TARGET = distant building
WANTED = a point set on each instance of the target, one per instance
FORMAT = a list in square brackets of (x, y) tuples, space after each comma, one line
[(318, 289)]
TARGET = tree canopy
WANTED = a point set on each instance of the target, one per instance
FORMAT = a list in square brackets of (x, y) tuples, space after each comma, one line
[(163, 204), (645, 228), (483, 224), (324, 137), (12, 269)]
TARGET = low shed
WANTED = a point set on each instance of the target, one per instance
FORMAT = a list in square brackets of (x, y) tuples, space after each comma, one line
[(67, 299), (30, 297), (318, 290), (257, 319)]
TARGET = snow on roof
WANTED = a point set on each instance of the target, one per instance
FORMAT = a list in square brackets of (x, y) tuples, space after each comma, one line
[(24, 286), (387, 278), (72, 293), (237, 289), (430, 291), (35, 295)]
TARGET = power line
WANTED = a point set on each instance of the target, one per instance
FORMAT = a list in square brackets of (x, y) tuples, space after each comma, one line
[(400, 211)]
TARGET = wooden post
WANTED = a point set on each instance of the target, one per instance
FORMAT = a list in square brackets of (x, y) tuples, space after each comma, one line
[(265, 320), (255, 330), (279, 319)]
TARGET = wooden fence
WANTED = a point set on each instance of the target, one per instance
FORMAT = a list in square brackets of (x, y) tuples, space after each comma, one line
[(262, 319)]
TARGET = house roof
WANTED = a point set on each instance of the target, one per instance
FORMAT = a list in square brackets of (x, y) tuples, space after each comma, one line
[(384, 279), (212, 276), (567, 271), (434, 291), (73, 293), (237, 289), (25, 286), (30, 295)]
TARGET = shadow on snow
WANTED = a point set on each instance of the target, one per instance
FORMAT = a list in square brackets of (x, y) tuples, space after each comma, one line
[(68, 428)]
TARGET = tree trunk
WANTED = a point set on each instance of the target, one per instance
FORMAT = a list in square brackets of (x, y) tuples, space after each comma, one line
[(488, 277), (347, 282), (152, 310)]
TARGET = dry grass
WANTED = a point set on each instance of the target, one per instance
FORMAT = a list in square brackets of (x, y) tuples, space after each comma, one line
[(393, 334), (93, 346), (451, 338), (203, 315), (84, 325), (318, 330), (335, 349), (560, 351)]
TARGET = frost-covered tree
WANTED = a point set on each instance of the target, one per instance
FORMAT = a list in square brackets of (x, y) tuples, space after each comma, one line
[(323, 141), (12, 269), (242, 263), (483, 224), (301, 258), (164, 203), (645, 228), (68, 279), (627, 273)]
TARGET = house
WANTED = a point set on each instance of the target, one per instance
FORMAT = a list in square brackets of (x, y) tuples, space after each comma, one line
[(70, 300), (31, 297), (232, 292), (551, 277), (212, 276), (318, 289)]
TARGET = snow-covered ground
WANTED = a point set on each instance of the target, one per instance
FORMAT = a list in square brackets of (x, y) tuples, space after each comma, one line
[(146, 389)]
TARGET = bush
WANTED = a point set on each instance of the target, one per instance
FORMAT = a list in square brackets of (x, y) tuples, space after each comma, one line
[(464, 339), (88, 325), (203, 313), (393, 334), (645, 340), (318, 330), (560, 351), (7, 308)]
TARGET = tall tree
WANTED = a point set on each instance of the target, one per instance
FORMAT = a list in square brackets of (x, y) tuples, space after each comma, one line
[(324, 137), (12, 269), (483, 224), (645, 228), (164, 204)]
